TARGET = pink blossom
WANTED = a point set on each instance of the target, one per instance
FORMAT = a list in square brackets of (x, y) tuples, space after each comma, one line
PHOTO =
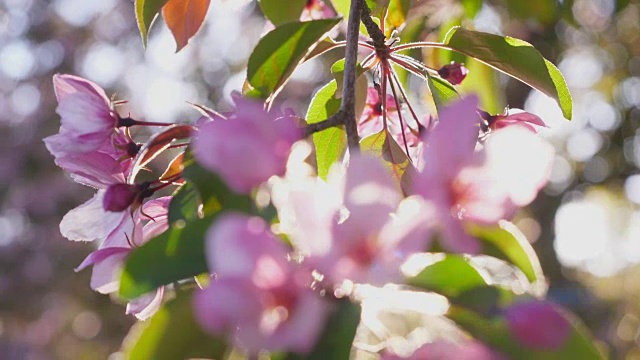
[(445, 350), (109, 259), (247, 149), (260, 297), (370, 245), (88, 119), (538, 324), (345, 229), (453, 72), (483, 186), (513, 117), (371, 119)]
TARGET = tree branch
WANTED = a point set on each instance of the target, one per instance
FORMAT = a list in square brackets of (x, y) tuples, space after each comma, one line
[(348, 106), (346, 115), (373, 29)]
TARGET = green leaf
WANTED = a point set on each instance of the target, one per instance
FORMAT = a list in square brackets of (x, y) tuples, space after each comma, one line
[(184, 204), (172, 333), (450, 276), (280, 51), (146, 12), (442, 91), (337, 339), (330, 143), (495, 333), (397, 13), (214, 193), (515, 58), (506, 242), (383, 146), (174, 255), (279, 12), (483, 80), (337, 69), (471, 7)]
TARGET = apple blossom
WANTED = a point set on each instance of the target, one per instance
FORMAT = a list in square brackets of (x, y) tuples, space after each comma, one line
[(512, 117), (260, 297), (108, 260), (247, 149), (483, 186)]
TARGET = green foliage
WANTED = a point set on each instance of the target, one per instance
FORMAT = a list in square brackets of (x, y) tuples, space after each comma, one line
[(280, 51), (279, 12), (515, 58), (172, 333), (506, 242), (471, 7), (442, 91), (397, 13), (451, 276), (176, 254), (384, 146), (146, 12), (330, 143), (184, 204)]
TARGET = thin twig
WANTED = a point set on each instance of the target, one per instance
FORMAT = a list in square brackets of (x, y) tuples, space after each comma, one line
[(334, 120)]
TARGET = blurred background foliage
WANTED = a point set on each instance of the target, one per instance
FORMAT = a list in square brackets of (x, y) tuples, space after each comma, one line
[(585, 226)]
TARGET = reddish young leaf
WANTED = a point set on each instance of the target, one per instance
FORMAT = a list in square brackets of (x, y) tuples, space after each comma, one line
[(157, 144), (174, 170), (184, 18)]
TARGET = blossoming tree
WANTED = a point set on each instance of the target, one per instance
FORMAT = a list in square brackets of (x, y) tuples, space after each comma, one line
[(292, 235)]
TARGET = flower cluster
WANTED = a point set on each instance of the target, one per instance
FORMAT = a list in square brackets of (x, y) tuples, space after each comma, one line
[(358, 227)]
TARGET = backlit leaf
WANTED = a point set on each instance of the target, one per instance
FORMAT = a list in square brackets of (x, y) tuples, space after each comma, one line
[(330, 143), (516, 58), (146, 12), (172, 333), (184, 18), (278, 11), (280, 51)]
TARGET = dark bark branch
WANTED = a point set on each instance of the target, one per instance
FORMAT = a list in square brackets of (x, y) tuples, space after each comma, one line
[(335, 120), (348, 106), (373, 29), (347, 114)]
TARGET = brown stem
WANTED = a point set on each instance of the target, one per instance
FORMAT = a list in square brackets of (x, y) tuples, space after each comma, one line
[(377, 36), (348, 106)]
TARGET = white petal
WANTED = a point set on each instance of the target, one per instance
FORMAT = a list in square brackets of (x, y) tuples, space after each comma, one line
[(89, 221)]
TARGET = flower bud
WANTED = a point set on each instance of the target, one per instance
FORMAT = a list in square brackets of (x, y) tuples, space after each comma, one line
[(119, 197), (538, 325), (453, 73)]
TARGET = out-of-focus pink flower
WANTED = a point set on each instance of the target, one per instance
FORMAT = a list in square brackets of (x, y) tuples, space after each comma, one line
[(88, 119), (260, 297), (247, 149), (370, 245), (453, 72), (445, 350), (513, 117), (538, 324), (483, 186), (109, 259), (361, 242)]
